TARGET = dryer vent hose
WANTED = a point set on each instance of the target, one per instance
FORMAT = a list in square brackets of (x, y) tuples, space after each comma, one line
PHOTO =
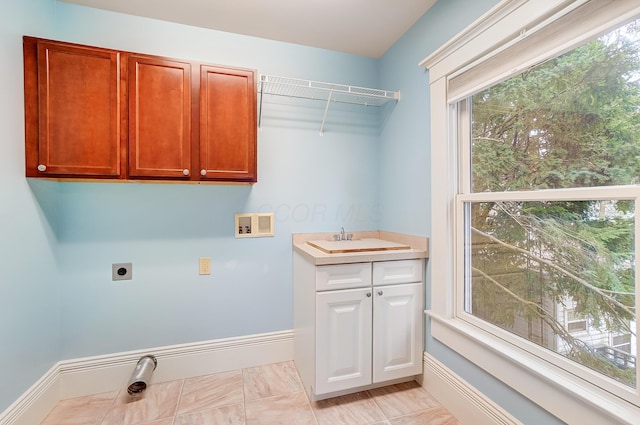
[(142, 374)]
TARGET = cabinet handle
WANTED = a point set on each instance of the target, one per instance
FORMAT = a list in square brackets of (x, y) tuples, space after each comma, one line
[(368, 294), (380, 292), (42, 167), (203, 172), (185, 171)]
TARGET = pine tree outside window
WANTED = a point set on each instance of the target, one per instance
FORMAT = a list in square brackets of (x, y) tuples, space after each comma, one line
[(571, 122)]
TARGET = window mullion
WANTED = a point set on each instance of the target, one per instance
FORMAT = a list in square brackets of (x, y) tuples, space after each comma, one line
[(565, 194)]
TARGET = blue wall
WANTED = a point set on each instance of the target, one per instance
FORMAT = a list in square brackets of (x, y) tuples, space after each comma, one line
[(311, 182), (29, 297), (59, 240)]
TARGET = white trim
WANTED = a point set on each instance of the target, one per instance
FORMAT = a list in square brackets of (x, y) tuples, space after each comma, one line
[(32, 407), (518, 34), (443, 168), (485, 35), (98, 374), (564, 396), (464, 401)]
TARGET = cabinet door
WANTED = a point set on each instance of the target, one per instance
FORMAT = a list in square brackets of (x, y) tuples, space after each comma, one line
[(397, 331), (343, 339), (227, 124), (159, 118), (75, 130)]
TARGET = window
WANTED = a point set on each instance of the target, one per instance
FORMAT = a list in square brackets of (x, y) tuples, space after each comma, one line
[(570, 122), (535, 114), (575, 322), (528, 259)]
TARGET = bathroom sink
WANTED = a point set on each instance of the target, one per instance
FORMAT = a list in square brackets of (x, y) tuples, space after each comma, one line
[(357, 245)]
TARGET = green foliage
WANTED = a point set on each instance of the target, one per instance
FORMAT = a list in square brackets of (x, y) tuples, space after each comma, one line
[(573, 121)]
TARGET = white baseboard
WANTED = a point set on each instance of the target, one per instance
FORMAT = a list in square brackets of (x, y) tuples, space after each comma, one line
[(94, 375), (35, 403), (465, 402)]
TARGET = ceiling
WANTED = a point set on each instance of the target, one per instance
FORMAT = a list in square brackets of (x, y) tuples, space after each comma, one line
[(361, 27)]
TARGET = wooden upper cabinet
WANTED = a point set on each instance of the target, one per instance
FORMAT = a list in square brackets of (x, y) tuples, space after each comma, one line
[(228, 123), (94, 113), (159, 118), (72, 110)]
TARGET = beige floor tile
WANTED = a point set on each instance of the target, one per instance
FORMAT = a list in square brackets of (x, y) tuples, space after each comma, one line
[(288, 409), (270, 380), (227, 415), (159, 401), (166, 421), (207, 392), (267, 395), (87, 410), (352, 409), (434, 416), (402, 399)]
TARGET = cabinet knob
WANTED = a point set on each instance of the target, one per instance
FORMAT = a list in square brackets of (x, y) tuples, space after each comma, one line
[(42, 167), (185, 171), (380, 292), (203, 172), (368, 294)]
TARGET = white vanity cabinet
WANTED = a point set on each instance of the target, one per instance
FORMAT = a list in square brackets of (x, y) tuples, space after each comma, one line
[(357, 325)]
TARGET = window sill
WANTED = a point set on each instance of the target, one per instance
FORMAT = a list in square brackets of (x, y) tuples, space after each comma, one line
[(562, 394)]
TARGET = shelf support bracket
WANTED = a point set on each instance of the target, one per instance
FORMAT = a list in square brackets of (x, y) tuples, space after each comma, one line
[(326, 109), (261, 97)]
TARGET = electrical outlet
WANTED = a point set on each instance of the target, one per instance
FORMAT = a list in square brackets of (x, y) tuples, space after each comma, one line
[(121, 271), (205, 265)]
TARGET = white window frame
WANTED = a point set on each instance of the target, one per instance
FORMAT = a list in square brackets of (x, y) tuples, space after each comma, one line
[(526, 367)]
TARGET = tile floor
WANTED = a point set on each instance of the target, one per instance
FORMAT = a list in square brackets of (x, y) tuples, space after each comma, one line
[(265, 395)]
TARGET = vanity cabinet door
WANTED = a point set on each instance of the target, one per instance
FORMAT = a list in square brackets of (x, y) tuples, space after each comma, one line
[(343, 339), (72, 100), (228, 128), (159, 118), (397, 331)]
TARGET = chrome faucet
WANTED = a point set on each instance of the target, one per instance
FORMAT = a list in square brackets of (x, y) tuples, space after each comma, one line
[(342, 236)]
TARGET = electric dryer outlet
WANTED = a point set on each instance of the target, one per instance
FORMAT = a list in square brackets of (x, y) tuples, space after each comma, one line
[(121, 271)]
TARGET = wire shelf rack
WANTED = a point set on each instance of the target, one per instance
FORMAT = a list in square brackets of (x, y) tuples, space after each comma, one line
[(321, 91)]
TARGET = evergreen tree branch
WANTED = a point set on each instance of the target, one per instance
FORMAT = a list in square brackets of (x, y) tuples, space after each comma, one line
[(554, 266), (534, 307)]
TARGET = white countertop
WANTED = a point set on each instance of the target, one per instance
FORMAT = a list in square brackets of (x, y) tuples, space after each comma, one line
[(419, 248)]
